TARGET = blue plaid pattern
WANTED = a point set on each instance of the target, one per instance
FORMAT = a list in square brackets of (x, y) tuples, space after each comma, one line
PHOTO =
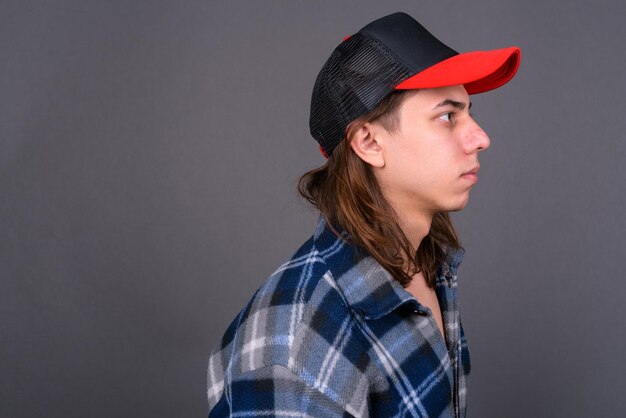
[(332, 334)]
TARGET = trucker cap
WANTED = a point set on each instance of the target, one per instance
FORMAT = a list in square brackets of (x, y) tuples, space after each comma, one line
[(395, 52)]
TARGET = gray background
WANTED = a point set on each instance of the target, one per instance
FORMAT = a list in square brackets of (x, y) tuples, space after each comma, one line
[(149, 154)]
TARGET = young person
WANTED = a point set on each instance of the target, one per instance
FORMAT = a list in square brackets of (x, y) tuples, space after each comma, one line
[(363, 320)]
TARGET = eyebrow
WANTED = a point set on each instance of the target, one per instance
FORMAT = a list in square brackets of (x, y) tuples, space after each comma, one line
[(453, 103)]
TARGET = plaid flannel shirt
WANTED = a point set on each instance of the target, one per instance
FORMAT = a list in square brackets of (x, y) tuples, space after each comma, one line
[(331, 334)]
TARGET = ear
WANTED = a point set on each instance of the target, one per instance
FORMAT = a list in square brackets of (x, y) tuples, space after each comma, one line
[(366, 144)]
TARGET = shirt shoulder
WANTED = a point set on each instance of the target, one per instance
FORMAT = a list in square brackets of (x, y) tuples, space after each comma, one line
[(298, 320)]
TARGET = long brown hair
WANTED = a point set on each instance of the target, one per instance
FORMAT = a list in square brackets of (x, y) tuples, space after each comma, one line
[(347, 194)]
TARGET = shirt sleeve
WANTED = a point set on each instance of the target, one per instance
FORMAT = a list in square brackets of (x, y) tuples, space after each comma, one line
[(274, 391)]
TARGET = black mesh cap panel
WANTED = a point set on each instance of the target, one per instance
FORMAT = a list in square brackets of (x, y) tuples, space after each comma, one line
[(357, 76)]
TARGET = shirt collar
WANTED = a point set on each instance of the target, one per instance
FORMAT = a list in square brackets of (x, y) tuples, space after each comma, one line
[(369, 289)]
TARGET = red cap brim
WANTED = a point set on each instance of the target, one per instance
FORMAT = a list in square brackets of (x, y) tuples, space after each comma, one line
[(478, 71)]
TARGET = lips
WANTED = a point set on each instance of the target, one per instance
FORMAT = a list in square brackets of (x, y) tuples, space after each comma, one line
[(471, 175), (472, 171)]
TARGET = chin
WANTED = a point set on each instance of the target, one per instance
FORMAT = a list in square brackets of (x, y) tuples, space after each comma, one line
[(457, 206), (455, 209)]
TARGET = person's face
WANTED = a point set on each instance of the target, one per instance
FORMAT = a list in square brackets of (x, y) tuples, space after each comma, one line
[(436, 143)]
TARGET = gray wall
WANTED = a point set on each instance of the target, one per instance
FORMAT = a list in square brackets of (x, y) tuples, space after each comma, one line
[(149, 152)]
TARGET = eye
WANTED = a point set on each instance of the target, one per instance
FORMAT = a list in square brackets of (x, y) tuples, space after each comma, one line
[(447, 117)]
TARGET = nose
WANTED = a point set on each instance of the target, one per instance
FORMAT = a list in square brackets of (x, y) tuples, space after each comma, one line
[(476, 139)]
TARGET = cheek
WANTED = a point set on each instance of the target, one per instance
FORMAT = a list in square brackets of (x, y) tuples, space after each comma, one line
[(419, 166), (414, 173), (432, 174)]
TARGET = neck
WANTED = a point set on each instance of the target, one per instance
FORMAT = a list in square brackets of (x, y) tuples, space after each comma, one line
[(415, 222), (415, 227)]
